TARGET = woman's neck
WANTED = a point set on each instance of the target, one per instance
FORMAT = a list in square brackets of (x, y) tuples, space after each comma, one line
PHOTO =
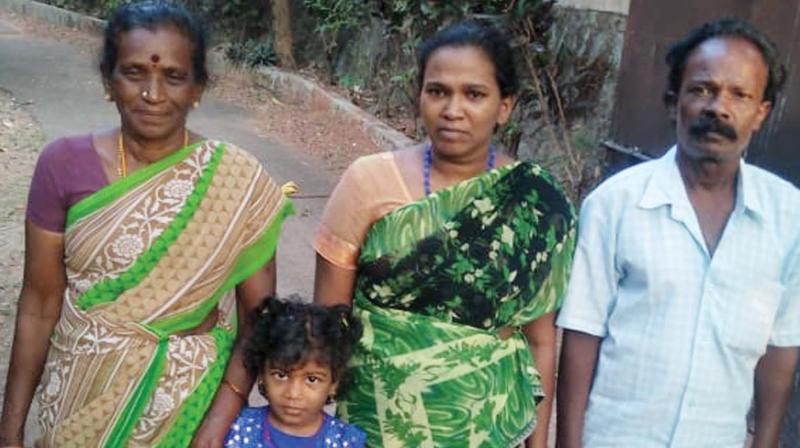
[(147, 151), (451, 170)]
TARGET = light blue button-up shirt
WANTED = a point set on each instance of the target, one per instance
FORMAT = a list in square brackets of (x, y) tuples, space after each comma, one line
[(682, 331)]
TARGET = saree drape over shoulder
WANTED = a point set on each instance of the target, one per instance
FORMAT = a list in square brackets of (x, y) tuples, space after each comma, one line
[(148, 257), (436, 280)]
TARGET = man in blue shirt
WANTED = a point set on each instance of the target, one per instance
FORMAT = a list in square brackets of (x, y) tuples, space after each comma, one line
[(684, 301)]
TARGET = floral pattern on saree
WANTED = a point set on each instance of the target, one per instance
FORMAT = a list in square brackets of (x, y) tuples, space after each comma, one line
[(490, 258), (436, 280)]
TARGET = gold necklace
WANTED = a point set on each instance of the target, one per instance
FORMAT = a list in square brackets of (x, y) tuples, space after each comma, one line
[(122, 163)]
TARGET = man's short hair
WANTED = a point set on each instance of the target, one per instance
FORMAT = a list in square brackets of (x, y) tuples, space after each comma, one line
[(680, 51)]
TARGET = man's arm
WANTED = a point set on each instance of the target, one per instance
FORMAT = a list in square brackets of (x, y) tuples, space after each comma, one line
[(773, 387), (579, 353), (591, 294)]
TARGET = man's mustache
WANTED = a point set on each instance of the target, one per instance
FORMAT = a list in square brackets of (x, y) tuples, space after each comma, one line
[(706, 124)]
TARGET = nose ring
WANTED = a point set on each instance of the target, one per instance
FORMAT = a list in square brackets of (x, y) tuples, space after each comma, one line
[(145, 94)]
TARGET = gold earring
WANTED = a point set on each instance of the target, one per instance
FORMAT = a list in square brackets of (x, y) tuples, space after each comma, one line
[(107, 96), (195, 104)]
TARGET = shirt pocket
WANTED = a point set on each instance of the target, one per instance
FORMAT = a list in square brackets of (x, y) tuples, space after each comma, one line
[(748, 318)]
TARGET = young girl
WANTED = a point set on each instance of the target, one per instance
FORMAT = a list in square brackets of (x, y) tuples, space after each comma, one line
[(298, 352)]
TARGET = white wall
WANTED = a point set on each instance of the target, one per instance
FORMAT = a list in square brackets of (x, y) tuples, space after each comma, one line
[(617, 6)]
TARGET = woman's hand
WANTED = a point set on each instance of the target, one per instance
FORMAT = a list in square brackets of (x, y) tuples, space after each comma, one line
[(211, 433), (38, 311), (541, 335), (220, 417), (227, 403)]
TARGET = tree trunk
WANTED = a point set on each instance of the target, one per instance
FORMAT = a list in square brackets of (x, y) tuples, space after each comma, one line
[(282, 26)]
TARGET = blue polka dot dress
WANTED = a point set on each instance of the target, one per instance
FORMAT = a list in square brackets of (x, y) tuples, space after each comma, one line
[(252, 430)]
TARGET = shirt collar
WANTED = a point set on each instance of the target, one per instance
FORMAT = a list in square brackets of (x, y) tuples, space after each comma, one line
[(666, 186), (747, 191)]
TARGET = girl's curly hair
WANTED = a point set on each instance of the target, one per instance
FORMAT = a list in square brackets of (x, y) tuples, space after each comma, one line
[(288, 333)]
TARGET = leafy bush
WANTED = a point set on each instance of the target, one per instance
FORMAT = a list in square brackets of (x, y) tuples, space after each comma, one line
[(252, 52), (228, 19)]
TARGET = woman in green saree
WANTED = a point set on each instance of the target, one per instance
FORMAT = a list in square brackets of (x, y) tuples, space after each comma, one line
[(146, 245), (455, 258)]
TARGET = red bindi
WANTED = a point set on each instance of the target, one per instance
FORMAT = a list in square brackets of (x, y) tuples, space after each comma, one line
[(154, 59)]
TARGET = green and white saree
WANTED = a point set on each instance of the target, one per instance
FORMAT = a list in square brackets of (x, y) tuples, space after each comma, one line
[(436, 280), (149, 257)]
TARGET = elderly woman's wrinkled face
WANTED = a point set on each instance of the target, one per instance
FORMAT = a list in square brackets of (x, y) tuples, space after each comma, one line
[(153, 83)]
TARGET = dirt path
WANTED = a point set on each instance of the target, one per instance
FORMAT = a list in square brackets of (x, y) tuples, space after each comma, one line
[(21, 138)]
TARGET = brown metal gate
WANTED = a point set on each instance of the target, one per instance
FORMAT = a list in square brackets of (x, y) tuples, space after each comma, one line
[(640, 118)]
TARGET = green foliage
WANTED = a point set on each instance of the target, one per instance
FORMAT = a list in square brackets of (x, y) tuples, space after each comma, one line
[(228, 19), (335, 15), (510, 134), (417, 18), (244, 22), (252, 52), (351, 82), (234, 19), (97, 8), (408, 22)]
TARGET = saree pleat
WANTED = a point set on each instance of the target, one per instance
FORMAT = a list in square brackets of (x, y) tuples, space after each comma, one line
[(146, 258), (436, 281)]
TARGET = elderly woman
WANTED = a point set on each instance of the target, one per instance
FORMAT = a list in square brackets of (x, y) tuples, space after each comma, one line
[(145, 245), (456, 258)]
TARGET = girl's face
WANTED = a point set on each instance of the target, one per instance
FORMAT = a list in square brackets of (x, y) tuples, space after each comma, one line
[(460, 101), (296, 397)]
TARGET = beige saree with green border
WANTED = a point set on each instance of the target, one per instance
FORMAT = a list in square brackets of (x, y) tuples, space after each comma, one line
[(146, 258)]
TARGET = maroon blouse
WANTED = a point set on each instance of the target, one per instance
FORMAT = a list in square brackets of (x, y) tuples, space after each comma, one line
[(68, 170)]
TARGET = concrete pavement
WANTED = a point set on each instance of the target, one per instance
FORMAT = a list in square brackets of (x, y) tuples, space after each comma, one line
[(62, 85)]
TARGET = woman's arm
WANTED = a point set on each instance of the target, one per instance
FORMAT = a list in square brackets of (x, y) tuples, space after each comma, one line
[(227, 403), (541, 335), (38, 311), (333, 285)]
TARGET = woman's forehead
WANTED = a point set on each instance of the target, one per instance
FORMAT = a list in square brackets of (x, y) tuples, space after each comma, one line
[(163, 41), (460, 62)]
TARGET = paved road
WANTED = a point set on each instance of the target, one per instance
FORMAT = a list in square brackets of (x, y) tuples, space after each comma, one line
[(63, 86)]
